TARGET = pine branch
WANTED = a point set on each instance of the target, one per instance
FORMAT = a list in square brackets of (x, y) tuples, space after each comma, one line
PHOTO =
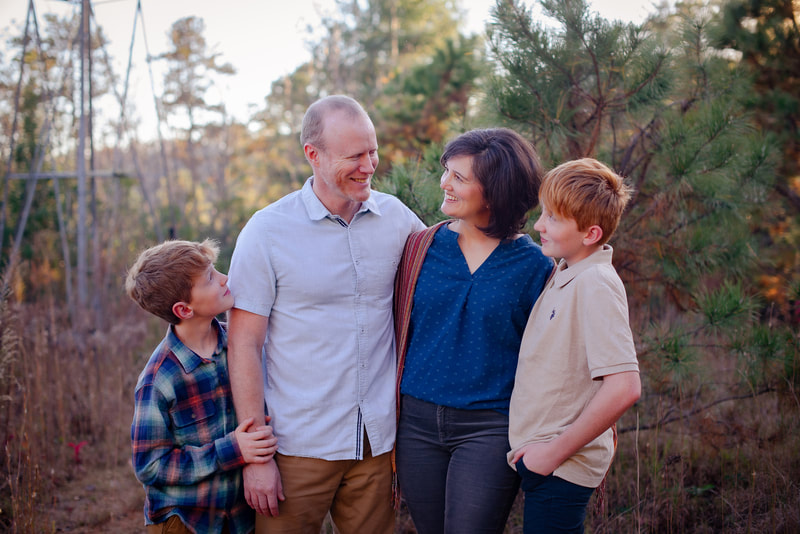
[(686, 415)]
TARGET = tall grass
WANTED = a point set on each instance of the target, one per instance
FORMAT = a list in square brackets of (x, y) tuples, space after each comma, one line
[(66, 403), (723, 459), (714, 455)]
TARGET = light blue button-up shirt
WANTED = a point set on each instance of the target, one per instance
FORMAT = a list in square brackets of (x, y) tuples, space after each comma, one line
[(326, 287)]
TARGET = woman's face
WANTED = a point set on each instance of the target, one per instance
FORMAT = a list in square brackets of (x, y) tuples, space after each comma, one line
[(463, 193)]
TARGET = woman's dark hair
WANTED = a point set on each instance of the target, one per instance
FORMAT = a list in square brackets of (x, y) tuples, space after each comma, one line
[(508, 169)]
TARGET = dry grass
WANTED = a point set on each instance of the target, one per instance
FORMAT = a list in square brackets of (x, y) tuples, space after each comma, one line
[(731, 467), (65, 415)]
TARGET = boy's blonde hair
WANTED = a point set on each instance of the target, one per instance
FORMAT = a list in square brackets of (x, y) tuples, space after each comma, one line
[(588, 192), (164, 274)]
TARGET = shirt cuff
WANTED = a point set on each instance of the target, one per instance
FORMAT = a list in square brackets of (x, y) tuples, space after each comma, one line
[(229, 455)]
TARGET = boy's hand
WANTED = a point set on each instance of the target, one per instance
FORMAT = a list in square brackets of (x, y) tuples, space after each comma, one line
[(541, 458), (258, 445)]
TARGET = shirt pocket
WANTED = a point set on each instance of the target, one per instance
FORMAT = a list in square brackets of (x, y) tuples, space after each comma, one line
[(194, 421), (380, 281)]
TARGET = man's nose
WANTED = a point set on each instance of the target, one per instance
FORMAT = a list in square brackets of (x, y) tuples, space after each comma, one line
[(367, 165)]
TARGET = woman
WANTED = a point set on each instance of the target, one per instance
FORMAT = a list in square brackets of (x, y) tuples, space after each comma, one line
[(465, 289)]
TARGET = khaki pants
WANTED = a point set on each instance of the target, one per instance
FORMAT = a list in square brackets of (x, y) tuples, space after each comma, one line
[(358, 494), (174, 525)]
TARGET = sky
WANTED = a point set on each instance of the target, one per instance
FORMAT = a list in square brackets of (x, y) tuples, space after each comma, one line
[(262, 39)]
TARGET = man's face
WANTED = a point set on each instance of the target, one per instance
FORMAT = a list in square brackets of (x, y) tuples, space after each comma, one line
[(343, 170)]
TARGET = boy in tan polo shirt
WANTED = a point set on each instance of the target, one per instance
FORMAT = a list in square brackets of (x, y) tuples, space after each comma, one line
[(577, 371)]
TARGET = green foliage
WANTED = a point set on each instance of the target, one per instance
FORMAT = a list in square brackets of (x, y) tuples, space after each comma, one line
[(416, 183), (430, 101), (669, 113), (727, 308), (673, 358), (561, 85), (766, 34), (367, 44)]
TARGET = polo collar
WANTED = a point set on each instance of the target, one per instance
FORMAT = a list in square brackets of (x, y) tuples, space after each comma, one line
[(317, 211), (565, 275)]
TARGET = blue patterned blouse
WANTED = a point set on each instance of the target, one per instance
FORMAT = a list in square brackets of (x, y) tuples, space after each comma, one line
[(466, 327)]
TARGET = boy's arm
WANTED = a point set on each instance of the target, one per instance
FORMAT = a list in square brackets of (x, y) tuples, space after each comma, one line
[(617, 393), (246, 334), (156, 458)]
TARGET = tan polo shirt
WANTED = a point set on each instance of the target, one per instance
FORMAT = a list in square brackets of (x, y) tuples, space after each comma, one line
[(578, 332)]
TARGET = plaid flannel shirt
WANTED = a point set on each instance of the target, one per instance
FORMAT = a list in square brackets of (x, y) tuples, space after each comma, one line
[(184, 450)]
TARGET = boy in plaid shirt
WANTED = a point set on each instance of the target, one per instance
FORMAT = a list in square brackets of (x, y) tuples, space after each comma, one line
[(187, 448)]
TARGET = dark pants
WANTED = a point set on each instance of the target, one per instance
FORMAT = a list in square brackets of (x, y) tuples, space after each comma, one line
[(452, 469), (552, 505)]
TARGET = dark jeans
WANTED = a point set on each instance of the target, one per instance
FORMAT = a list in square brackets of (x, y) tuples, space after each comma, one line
[(452, 469), (552, 505)]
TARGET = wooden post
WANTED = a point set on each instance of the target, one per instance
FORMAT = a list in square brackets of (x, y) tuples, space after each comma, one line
[(83, 294)]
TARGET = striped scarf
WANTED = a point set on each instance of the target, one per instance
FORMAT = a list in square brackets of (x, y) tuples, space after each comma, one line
[(404, 285)]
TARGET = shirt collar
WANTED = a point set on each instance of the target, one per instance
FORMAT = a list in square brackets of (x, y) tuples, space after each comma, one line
[(188, 359), (317, 210), (564, 275)]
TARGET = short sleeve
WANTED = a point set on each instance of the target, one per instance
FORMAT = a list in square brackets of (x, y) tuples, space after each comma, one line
[(251, 277), (604, 314)]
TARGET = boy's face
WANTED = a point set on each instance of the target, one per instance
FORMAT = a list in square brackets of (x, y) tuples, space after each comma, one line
[(561, 238), (210, 294)]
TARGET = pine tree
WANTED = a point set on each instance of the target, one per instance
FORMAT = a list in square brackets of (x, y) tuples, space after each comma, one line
[(671, 121), (191, 70), (767, 35)]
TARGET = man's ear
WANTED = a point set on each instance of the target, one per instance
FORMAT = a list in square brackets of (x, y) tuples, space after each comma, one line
[(312, 154), (593, 235), (182, 310)]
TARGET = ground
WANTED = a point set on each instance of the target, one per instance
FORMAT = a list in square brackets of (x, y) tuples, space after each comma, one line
[(100, 501), (107, 500)]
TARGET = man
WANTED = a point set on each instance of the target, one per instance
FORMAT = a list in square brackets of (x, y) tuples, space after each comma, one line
[(312, 274)]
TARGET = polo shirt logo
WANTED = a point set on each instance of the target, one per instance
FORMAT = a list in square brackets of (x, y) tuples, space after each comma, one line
[(552, 314)]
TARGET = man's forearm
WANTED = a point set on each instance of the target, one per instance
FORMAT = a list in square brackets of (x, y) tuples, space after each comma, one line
[(246, 336)]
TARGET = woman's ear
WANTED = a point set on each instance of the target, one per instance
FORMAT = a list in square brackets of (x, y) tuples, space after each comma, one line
[(593, 235)]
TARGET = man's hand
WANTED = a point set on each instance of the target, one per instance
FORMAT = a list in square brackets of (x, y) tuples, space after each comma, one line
[(263, 488)]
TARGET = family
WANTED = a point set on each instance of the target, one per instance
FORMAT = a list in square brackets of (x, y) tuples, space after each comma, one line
[(368, 359)]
